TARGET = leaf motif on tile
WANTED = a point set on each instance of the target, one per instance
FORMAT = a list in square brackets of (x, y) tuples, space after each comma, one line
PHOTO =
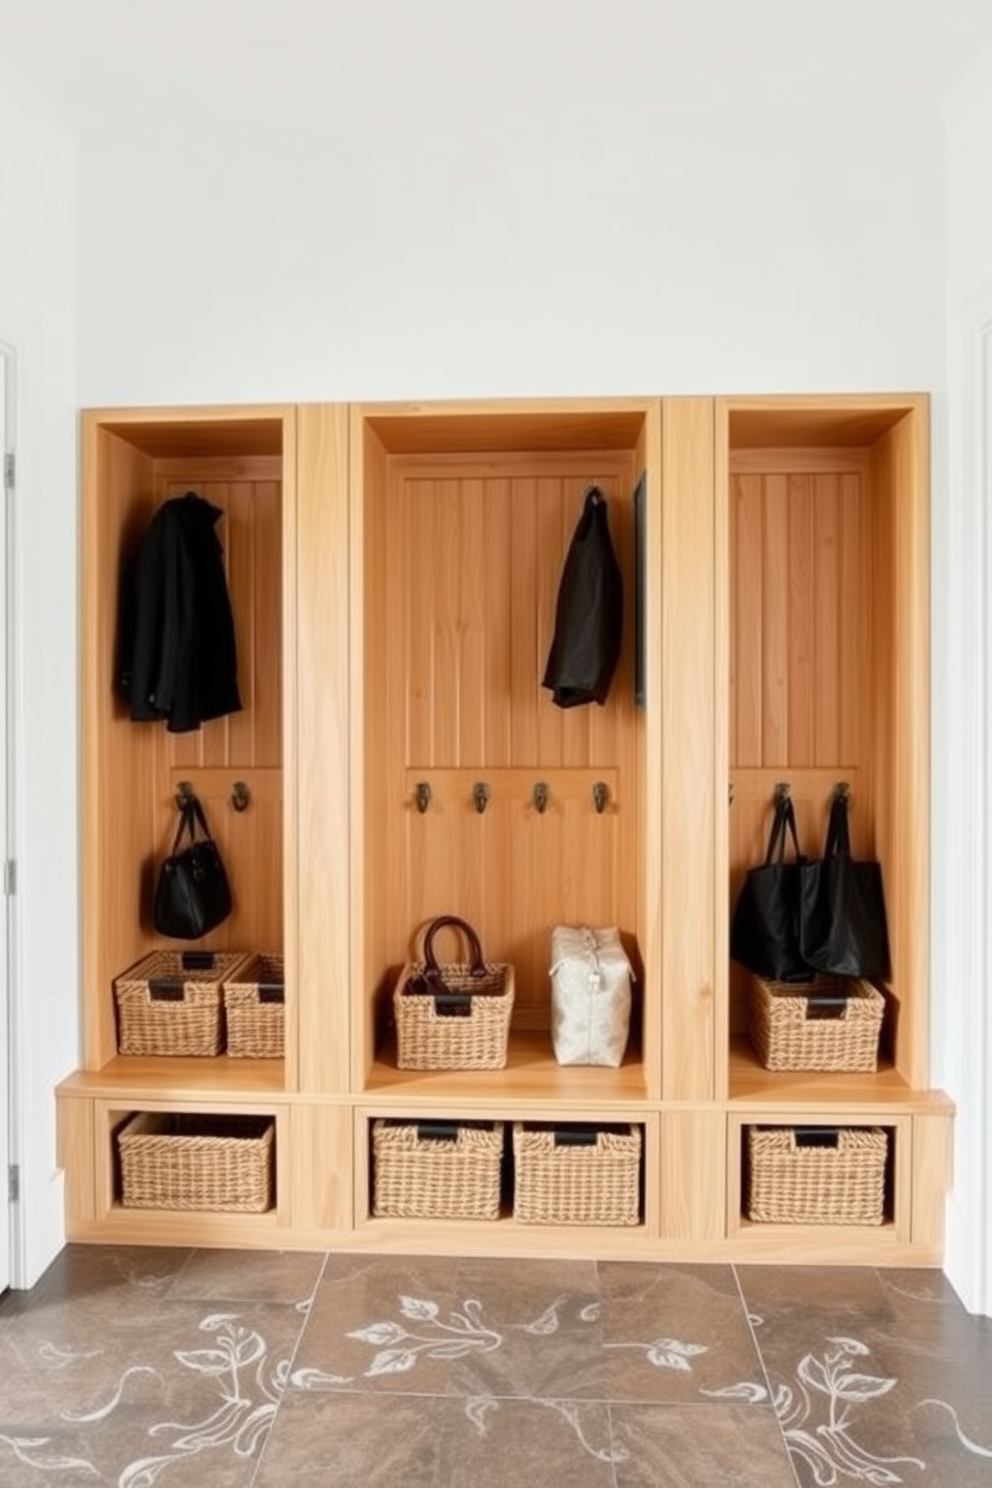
[(477, 1407), (392, 1361), (62, 1358), (103, 1411), (666, 1353), (590, 1313), (748, 1390), (379, 1333), (816, 1420), (419, 1309), (316, 1379), (24, 1449), (965, 1441), (547, 1322), (566, 1408)]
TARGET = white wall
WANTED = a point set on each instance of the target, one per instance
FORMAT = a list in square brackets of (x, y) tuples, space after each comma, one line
[(37, 315), (590, 248), (963, 688)]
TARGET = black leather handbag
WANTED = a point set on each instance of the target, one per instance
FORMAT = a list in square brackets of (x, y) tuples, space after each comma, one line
[(842, 923), (192, 894), (764, 932)]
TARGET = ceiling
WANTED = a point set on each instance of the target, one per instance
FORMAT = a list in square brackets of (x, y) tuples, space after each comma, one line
[(116, 68)]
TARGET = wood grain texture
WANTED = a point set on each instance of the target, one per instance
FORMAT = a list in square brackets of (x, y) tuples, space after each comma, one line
[(117, 497), (931, 1177), (900, 737), (321, 1190), (648, 736), (688, 761), (462, 562), (323, 748), (693, 1143), (801, 635)]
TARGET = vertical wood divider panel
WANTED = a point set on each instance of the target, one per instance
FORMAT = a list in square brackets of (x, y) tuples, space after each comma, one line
[(323, 749), (289, 721), (693, 1143), (117, 755), (648, 752), (900, 741), (688, 756), (725, 747)]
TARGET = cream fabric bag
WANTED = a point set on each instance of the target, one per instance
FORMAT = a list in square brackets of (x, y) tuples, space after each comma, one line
[(590, 996)]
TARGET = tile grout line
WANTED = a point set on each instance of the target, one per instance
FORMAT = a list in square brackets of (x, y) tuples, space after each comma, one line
[(289, 1370), (764, 1371)]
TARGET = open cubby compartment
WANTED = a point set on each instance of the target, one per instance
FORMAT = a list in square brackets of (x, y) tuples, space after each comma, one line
[(827, 662), (247, 1162), (242, 463), (819, 1138), (461, 521)]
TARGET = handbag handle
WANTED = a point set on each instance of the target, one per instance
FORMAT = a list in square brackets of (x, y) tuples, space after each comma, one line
[(838, 842), (431, 968), (191, 815), (785, 817)]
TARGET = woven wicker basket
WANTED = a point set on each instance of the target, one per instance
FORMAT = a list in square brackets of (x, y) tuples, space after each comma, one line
[(794, 1182), (179, 1161), (557, 1181), (453, 1015), (829, 1023), (436, 1170), (255, 1011), (170, 1002)]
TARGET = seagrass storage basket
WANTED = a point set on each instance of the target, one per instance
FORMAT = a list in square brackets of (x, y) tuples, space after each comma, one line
[(436, 1169), (255, 1009), (816, 1175), (453, 1015), (576, 1175), (170, 1002), (829, 1023), (173, 1160)]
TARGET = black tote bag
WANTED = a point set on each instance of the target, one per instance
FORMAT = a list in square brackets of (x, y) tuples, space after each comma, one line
[(764, 932), (588, 630), (192, 894), (843, 929)]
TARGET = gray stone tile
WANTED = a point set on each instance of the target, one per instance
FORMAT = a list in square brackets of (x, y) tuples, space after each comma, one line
[(672, 1332), (257, 1276), (353, 1441), (193, 1396), (384, 1323), (699, 1446), (491, 1443), (533, 1330)]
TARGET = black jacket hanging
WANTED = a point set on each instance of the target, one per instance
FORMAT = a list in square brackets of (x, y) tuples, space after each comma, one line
[(177, 654), (589, 613)]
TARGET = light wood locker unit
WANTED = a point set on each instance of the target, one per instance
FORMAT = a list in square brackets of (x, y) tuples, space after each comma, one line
[(823, 649), (394, 571), (243, 463), (461, 519)]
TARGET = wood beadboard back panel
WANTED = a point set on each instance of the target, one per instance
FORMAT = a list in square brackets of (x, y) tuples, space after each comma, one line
[(457, 634), (801, 649), (244, 746)]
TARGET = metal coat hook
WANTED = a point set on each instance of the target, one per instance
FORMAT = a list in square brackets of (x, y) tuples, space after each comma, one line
[(240, 796), (731, 792), (842, 791), (480, 796), (782, 792), (600, 796), (541, 794), (184, 794), (422, 795)]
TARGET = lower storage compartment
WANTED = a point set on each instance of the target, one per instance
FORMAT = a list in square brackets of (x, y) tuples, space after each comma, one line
[(577, 1174), (190, 1161), (816, 1175), (436, 1169)]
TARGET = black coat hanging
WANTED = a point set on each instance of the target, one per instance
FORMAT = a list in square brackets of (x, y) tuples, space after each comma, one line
[(177, 653), (589, 613)]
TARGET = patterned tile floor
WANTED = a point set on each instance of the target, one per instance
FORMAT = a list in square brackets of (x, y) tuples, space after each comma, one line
[(144, 1368)]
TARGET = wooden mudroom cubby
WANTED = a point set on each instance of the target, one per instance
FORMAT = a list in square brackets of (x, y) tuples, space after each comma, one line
[(394, 572)]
